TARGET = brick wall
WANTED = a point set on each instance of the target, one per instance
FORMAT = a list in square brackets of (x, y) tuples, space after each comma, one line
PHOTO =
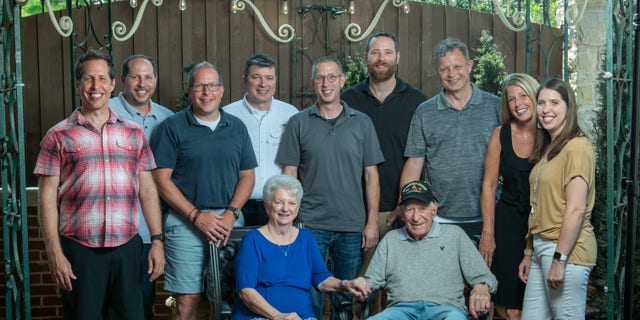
[(46, 298)]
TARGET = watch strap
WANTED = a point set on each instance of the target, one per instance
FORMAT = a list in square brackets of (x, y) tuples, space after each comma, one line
[(235, 211), (560, 257), (159, 236)]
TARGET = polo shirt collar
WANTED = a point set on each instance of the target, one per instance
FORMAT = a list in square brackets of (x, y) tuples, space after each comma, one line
[(131, 110), (313, 110), (191, 118), (400, 87), (433, 233), (476, 99)]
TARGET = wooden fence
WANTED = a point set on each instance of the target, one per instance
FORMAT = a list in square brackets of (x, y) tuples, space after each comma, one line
[(208, 30)]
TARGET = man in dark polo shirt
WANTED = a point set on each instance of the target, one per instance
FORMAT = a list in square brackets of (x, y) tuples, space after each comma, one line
[(389, 102), (205, 173)]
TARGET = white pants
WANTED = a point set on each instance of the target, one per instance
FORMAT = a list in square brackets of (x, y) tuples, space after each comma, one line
[(541, 302)]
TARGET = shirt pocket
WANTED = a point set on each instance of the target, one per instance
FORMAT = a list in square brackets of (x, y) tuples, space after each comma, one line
[(276, 134), (125, 153), (80, 155)]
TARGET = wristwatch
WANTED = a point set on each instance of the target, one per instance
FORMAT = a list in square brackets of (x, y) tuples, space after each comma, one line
[(559, 256), (159, 236), (236, 212)]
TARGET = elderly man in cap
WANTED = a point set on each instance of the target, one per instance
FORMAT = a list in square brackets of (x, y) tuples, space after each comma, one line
[(424, 266)]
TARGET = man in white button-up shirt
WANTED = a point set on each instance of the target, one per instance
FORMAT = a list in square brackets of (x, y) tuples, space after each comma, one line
[(265, 118)]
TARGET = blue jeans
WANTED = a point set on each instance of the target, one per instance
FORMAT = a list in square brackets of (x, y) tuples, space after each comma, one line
[(148, 288), (421, 310), (342, 250)]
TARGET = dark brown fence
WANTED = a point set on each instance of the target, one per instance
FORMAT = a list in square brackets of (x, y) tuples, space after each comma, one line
[(208, 30)]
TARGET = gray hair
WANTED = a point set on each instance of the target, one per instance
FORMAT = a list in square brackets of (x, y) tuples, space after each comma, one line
[(448, 45), (323, 59), (198, 66), (282, 182)]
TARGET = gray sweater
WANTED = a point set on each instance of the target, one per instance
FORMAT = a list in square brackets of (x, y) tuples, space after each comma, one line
[(434, 269)]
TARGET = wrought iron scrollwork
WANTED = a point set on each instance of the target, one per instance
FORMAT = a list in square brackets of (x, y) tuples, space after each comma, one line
[(12, 160)]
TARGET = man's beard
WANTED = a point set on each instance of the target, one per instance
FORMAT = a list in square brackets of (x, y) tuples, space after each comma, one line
[(382, 75)]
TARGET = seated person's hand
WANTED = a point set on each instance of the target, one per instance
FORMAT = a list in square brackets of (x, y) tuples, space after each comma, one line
[(479, 300), (287, 316), (359, 288)]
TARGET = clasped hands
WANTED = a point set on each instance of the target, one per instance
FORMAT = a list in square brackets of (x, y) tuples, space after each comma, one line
[(217, 227)]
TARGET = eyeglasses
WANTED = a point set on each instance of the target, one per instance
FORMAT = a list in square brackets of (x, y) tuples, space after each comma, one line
[(213, 87), (319, 78)]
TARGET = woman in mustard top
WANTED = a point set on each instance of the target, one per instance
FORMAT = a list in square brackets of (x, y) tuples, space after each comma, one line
[(562, 197)]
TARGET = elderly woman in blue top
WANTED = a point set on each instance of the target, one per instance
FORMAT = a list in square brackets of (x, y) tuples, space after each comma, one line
[(277, 263)]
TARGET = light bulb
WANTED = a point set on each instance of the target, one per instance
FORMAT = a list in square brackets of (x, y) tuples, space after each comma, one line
[(182, 5), (234, 6), (285, 7), (406, 8), (352, 7), (133, 3)]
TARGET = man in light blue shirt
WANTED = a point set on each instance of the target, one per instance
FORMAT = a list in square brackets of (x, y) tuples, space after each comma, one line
[(265, 118), (139, 78)]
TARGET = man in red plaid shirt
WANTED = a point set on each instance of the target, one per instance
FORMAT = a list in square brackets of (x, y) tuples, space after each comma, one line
[(93, 167)]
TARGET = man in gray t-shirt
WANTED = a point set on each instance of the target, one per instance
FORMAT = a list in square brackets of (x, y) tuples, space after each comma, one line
[(448, 138)]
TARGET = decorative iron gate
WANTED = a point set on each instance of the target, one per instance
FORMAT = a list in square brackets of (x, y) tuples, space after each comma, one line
[(621, 185), (14, 194)]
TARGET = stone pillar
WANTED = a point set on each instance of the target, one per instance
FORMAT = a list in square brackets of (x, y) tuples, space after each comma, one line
[(586, 59)]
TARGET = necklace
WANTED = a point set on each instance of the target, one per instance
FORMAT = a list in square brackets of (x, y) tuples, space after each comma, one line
[(278, 243)]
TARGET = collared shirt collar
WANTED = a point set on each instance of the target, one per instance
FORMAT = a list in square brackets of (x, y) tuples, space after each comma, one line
[(191, 117), (313, 110), (133, 111), (78, 118), (433, 233), (251, 109), (476, 98), (400, 87)]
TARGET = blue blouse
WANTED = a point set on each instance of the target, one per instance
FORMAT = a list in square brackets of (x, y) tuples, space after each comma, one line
[(283, 275)]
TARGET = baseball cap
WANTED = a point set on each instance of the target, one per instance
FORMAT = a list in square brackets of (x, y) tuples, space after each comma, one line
[(418, 190)]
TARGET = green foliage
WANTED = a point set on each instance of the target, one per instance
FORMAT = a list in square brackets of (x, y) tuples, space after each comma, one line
[(35, 7), (537, 12), (489, 66), (183, 100), (355, 70)]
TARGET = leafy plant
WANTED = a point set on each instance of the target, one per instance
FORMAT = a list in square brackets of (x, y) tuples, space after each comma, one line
[(489, 66), (183, 100), (356, 70)]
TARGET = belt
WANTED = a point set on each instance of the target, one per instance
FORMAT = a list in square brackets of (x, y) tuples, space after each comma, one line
[(254, 204)]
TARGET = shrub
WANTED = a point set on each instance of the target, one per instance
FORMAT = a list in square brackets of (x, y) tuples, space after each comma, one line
[(489, 66)]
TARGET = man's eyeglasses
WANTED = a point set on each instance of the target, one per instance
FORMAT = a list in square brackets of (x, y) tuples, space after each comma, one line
[(213, 87), (319, 78)]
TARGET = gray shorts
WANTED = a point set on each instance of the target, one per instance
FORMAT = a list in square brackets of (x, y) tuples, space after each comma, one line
[(186, 252)]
